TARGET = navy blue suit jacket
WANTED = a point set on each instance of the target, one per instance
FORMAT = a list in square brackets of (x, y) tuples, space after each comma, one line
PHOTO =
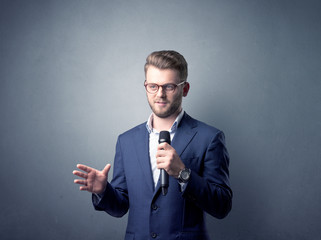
[(178, 215)]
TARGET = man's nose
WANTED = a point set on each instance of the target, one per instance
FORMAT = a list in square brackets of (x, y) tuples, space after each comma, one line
[(161, 92)]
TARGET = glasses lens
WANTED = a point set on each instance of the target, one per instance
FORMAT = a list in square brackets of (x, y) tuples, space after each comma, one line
[(151, 87), (169, 87)]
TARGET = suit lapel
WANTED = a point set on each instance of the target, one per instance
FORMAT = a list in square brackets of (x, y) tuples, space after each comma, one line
[(185, 133), (142, 151)]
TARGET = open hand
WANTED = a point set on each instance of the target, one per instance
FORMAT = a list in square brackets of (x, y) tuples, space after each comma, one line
[(93, 180)]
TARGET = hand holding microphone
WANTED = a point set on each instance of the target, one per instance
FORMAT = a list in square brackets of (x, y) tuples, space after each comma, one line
[(164, 136), (167, 160)]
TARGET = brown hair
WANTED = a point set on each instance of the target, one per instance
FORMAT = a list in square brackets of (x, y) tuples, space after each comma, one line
[(168, 59)]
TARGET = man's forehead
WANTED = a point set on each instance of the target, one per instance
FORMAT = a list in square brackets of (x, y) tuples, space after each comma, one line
[(156, 74)]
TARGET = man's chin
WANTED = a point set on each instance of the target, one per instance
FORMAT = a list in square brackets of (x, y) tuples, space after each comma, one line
[(161, 114), (164, 114)]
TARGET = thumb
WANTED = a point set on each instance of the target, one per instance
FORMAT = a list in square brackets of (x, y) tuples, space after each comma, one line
[(106, 169)]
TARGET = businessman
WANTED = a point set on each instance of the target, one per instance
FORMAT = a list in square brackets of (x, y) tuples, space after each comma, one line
[(196, 161)]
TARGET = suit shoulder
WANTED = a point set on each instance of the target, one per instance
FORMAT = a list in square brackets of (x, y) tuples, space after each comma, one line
[(204, 127), (139, 128), (205, 131), (208, 133), (208, 127)]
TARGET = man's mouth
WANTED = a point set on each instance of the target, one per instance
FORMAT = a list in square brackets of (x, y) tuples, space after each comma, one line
[(161, 103)]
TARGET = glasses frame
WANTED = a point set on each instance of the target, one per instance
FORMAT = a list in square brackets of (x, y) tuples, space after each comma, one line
[(163, 87)]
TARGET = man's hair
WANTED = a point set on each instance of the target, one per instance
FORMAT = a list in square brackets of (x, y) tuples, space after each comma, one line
[(168, 59)]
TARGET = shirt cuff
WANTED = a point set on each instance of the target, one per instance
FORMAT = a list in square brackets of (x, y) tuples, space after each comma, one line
[(96, 198)]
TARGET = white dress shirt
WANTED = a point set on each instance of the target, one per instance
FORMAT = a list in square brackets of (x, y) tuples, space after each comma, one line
[(153, 142)]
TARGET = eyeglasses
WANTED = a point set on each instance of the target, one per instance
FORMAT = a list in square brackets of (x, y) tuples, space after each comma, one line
[(169, 88)]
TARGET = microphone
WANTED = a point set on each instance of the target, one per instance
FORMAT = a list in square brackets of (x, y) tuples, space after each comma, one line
[(164, 136)]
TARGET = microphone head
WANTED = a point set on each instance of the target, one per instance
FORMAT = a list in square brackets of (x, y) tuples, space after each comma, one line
[(164, 136)]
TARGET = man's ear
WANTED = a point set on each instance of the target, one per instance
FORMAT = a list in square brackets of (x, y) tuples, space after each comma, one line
[(186, 89)]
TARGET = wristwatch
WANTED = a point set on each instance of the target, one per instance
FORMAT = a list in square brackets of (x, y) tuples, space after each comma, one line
[(184, 175)]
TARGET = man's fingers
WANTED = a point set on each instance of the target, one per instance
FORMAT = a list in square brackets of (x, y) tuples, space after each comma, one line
[(163, 146), (160, 159), (160, 165), (83, 188), (85, 168), (161, 162), (80, 181), (80, 174), (106, 169)]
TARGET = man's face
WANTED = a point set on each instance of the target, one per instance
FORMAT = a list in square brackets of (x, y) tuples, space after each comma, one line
[(165, 104)]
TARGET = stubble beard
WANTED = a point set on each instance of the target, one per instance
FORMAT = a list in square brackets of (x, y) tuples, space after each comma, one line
[(174, 107)]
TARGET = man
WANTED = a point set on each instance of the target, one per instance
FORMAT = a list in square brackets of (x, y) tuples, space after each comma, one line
[(196, 162)]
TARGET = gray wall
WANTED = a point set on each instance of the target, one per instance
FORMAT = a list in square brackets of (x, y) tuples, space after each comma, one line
[(71, 81)]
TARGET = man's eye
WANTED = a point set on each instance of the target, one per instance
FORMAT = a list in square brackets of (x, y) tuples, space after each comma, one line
[(152, 86), (170, 87)]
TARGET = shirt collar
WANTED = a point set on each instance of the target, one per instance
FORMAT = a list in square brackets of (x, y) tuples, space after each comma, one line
[(149, 124)]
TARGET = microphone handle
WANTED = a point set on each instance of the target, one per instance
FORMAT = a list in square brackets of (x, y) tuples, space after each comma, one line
[(164, 136), (164, 181)]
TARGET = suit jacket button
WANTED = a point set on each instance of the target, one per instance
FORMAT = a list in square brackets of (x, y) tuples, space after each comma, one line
[(153, 235), (154, 207)]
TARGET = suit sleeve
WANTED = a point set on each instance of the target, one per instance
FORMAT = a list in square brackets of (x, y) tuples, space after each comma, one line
[(114, 200), (210, 189)]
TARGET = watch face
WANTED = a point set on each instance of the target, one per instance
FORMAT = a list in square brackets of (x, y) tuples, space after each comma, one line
[(185, 175)]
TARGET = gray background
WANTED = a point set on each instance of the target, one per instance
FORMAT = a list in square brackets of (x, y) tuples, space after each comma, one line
[(72, 80)]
